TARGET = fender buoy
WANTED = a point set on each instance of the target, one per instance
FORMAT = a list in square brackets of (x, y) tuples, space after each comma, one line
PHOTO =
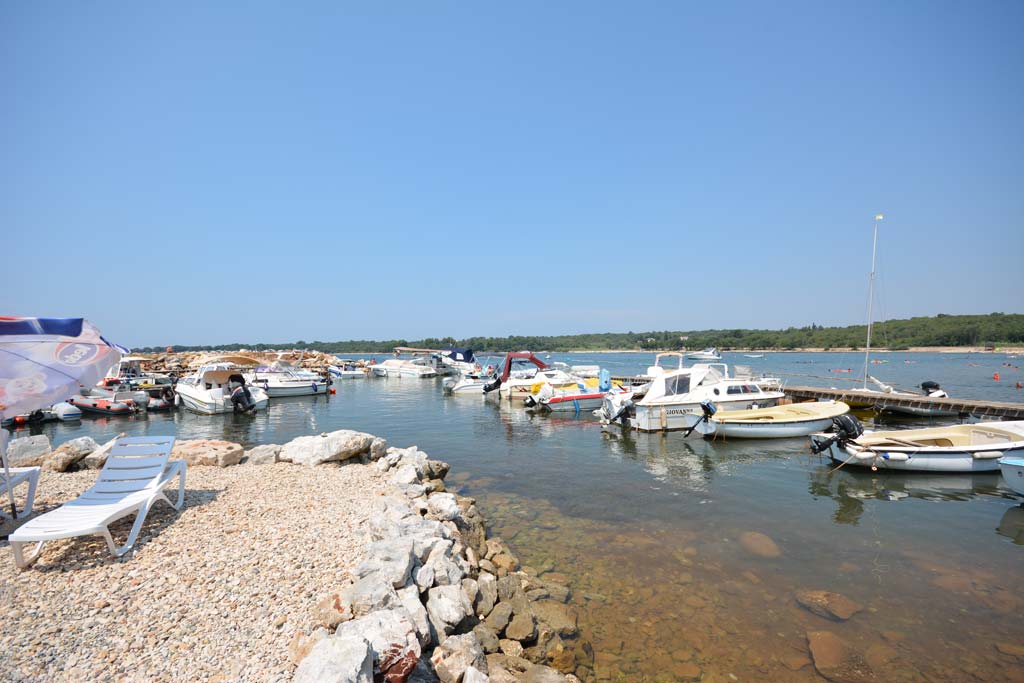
[(20, 419), (333, 391), (995, 376)]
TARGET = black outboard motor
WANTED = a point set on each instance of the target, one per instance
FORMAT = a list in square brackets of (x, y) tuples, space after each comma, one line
[(845, 428), (493, 386), (624, 413), (241, 397)]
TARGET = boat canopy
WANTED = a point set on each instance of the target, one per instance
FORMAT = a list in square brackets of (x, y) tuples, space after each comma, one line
[(236, 360), (520, 355), (462, 355)]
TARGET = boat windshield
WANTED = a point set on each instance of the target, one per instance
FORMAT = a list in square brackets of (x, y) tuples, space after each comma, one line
[(679, 384)]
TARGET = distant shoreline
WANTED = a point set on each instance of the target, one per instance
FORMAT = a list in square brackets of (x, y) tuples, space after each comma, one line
[(912, 349)]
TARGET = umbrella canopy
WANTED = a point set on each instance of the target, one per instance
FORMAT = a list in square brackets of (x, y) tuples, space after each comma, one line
[(44, 360)]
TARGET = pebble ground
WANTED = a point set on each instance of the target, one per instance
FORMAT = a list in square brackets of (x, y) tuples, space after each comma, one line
[(213, 593)]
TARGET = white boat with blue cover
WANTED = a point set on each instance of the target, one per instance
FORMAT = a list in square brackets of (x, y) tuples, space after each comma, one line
[(954, 448)]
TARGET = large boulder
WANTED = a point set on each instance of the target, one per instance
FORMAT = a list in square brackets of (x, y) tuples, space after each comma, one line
[(443, 506), (211, 452), (447, 606), (452, 658), (265, 454), (329, 447), (391, 559), (369, 594), (70, 453), (410, 600), (393, 639), (337, 660), (562, 618), (487, 593), (28, 451)]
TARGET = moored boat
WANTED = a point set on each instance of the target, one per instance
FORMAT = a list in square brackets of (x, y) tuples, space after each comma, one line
[(953, 448), (210, 390), (776, 422), (1012, 468), (119, 403), (710, 353)]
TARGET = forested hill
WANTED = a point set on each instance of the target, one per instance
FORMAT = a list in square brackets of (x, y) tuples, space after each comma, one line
[(941, 330)]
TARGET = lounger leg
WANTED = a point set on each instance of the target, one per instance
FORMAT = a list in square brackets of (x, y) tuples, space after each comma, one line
[(133, 535), (30, 498), (21, 561)]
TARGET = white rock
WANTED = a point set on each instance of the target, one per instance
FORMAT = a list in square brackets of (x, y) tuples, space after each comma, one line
[(70, 452), (456, 655), (391, 559), (378, 447), (337, 660), (28, 451), (447, 606), (369, 594), (446, 571), (474, 675), (265, 454), (403, 476), (424, 577), (392, 636), (443, 506), (208, 452), (334, 446), (410, 598), (487, 584)]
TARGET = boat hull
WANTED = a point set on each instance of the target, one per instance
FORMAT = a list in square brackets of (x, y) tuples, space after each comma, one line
[(976, 459), (1013, 473), (204, 404), (573, 404), (298, 389), (780, 430), (102, 406), (669, 418)]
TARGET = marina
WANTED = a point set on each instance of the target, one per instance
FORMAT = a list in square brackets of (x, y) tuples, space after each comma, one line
[(659, 530)]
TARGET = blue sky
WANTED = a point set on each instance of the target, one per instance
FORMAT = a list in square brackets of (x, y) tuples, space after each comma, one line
[(189, 173)]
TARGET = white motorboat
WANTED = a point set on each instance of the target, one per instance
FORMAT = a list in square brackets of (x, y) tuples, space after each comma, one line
[(347, 369), (753, 355), (954, 448), (1013, 472), (931, 390), (517, 380), (466, 386), (777, 422), (399, 367), (207, 391), (278, 382), (664, 403), (586, 395), (130, 373), (710, 353)]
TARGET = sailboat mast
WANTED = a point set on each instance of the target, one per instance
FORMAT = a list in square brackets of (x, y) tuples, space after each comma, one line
[(871, 300)]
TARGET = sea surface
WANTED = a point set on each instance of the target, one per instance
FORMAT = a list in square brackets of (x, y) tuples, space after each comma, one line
[(648, 529)]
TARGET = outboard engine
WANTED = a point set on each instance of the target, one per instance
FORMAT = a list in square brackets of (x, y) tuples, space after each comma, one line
[(933, 390), (241, 397), (844, 428), (492, 386)]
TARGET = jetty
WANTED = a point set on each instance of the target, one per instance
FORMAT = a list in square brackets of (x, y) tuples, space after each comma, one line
[(1006, 411)]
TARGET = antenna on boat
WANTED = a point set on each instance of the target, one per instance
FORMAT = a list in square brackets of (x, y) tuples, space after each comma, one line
[(871, 298)]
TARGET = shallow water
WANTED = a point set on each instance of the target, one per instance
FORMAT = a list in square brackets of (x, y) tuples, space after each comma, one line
[(646, 528)]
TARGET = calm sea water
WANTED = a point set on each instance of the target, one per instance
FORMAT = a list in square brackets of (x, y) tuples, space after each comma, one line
[(646, 527)]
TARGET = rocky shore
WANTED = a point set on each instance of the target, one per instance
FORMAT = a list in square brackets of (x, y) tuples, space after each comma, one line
[(331, 558)]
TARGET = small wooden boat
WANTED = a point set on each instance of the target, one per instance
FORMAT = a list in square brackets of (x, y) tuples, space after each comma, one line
[(1013, 472), (777, 422), (955, 448)]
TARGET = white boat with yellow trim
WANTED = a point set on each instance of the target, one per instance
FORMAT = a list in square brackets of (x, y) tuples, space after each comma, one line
[(776, 422)]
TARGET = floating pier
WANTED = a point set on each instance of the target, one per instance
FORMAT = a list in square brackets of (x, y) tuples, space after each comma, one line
[(1006, 411)]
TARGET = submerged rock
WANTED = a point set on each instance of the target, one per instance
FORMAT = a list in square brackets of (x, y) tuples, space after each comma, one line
[(759, 544), (835, 661), (828, 605)]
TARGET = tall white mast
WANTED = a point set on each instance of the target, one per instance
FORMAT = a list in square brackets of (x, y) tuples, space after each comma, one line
[(871, 299)]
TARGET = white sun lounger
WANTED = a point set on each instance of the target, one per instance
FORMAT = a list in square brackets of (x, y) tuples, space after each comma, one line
[(131, 481), (20, 475)]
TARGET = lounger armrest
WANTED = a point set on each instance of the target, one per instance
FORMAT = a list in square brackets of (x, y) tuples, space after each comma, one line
[(174, 468)]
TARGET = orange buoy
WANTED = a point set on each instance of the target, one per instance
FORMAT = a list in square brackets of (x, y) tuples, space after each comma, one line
[(995, 376), (333, 391), (20, 419)]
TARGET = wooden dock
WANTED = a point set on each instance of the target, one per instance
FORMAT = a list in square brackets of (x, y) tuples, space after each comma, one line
[(1006, 411)]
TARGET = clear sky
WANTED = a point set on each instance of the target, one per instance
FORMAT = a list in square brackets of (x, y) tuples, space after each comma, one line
[(193, 172)]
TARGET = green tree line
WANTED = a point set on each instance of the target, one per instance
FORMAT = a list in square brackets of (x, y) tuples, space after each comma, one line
[(940, 330)]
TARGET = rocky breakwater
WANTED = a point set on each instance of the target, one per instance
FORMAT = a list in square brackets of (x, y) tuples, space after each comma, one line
[(435, 599)]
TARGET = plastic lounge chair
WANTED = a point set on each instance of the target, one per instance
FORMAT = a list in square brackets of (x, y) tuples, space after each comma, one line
[(20, 475), (131, 481)]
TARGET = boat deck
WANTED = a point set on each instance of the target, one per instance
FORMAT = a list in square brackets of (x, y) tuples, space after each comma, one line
[(1008, 411)]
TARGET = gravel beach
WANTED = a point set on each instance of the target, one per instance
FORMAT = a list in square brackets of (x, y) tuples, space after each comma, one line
[(213, 593)]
